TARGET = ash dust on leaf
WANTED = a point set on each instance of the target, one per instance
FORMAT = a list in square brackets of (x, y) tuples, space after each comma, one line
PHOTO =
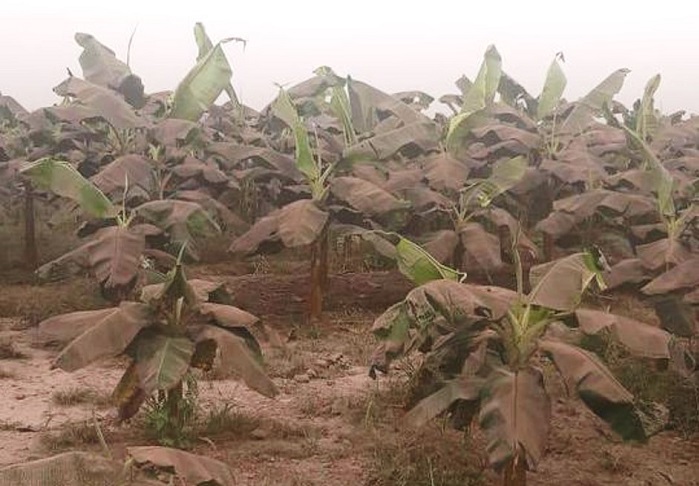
[(330, 425)]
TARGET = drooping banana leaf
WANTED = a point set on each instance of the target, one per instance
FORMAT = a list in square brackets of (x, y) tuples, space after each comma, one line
[(202, 85), (191, 468), (559, 284), (413, 261), (585, 374), (107, 338), (162, 361), (205, 45), (94, 101), (593, 103), (516, 416), (99, 63), (101, 66)]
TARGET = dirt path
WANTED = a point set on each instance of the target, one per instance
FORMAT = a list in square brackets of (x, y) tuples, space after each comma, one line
[(331, 424)]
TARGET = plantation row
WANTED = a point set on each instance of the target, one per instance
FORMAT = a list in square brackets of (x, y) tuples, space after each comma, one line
[(566, 197)]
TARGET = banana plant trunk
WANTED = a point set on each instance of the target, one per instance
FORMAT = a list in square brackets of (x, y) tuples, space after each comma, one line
[(31, 254), (515, 473), (319, 275), (173, 405)]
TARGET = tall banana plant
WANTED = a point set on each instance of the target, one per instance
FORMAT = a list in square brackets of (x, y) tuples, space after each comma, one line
[(484, 347), (118, 251), (306, 222), (303, 222)]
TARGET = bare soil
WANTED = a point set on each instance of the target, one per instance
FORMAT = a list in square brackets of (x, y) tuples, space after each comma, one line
[(331, 424)]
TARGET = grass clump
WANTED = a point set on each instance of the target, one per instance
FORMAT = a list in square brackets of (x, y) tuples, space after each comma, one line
[(428, 457), (8, 350), (81, 396), (652, 383), (7, 374), (227, 422), (168, 429), (71, 436)]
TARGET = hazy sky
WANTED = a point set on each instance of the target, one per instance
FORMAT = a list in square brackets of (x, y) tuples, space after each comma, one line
[(391, 45)]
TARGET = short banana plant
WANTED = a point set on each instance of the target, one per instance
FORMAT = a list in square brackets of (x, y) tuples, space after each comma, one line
[(174, 327), (484, 348)]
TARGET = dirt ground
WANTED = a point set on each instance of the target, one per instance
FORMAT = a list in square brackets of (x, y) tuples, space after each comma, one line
[(330, 425)]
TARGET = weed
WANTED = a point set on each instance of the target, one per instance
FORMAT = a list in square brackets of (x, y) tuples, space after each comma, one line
[(71, 436), (7, 374), (287, 363), (8, 350), (227, 421), (650, 384), (172, 430), (80, 396), (427, 458)]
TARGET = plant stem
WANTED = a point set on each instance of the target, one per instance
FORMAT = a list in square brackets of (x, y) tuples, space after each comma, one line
[(515, 473), (172, 407), (31, 254), (319, 274)]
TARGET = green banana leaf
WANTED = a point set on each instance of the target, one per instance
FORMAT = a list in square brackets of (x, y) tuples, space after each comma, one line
[(593, 103), (413, 261), (202, 86), (646, 121), (553, 89), (284, 109), (205, 45), (478, 97), (64, 180)]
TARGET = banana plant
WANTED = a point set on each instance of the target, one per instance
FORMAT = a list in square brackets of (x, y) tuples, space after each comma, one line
[(466, 240), (118, 251), (174, 327), (484, 347), (306, 222)]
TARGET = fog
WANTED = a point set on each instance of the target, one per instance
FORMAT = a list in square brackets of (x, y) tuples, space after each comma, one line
[(390, 45)]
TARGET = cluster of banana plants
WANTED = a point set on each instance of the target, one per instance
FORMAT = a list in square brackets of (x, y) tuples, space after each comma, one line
[(510, 183), (144, 170)]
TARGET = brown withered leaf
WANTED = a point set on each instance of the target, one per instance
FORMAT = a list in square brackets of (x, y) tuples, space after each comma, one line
[(301, 222), (107, 338), (446, 173), (640, 338), (237, 358), (365, 196), (683, 276), (516, 416), (193, 469), (597, 387)]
